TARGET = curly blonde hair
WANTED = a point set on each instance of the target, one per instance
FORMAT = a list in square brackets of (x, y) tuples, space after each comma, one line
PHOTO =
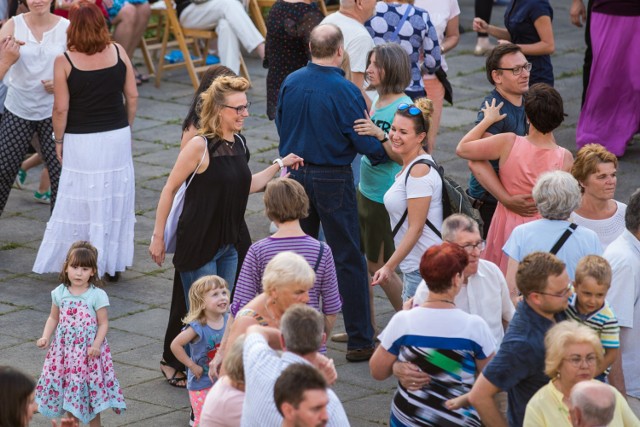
[(197, 295), (213, 101), (564, 334)]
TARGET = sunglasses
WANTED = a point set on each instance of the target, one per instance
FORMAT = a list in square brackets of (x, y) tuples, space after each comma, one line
[(410, 108)]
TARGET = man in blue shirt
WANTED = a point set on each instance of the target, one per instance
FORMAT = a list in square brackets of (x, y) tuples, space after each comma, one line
[(316, 110), (518, 367), (506, 70)]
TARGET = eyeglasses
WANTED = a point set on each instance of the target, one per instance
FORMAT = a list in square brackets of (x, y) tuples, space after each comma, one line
[(240, 108), (561, 294), (576, 361), (480, 245), (518, 68)]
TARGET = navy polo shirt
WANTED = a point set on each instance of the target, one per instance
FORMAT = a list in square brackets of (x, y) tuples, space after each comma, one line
[(518, 367), (519, 19), (317, 107), (516, 122)]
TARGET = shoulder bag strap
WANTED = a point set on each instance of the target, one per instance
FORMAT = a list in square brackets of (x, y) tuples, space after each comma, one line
[(201, 159), (406, 211), (404, 18), (320, 252), (567, 233)]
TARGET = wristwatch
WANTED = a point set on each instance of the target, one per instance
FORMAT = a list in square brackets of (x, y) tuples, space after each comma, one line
[(385, 138), (279, 162)]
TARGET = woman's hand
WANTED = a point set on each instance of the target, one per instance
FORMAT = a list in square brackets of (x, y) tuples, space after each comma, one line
[(214, 365), (408, 304), (293, 161), (156, 250), (410, 376), (492, 112), (10, 50), (367, 127), (480, 25), (457, 402), (59, 152), (381, 276), (42, 342), (48, 85)]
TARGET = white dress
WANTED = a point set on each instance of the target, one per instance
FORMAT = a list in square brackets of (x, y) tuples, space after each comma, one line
[(96, 200)]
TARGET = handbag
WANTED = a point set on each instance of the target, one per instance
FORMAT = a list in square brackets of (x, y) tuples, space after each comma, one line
[(171, 226)]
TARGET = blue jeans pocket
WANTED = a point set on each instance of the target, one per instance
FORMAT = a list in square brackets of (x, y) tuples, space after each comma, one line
[(328, 193)]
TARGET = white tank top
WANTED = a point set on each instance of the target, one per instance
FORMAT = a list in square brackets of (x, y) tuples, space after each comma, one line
[(26, 97)]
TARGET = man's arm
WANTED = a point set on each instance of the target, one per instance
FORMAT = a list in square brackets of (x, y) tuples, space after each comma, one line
[(616, 376), (482, 399)]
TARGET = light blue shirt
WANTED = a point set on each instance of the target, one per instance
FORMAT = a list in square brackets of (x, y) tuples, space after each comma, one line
[(542, 235)]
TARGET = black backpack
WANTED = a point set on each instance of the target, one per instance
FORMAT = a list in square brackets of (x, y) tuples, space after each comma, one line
[(454, 200)]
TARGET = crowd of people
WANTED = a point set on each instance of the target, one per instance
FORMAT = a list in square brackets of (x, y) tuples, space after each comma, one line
[(527, 318)]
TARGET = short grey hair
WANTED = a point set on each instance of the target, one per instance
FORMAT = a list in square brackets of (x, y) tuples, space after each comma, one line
[(632, 216), (557, 194), (302, 327), (596, 402), (456, 223)]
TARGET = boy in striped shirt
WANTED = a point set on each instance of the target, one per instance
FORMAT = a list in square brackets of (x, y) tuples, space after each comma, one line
[(588, 306)]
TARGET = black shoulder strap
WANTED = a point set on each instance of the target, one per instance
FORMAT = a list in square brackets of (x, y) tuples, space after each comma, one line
[(406, 211), (320, 252), (567, 233), (69, 59)]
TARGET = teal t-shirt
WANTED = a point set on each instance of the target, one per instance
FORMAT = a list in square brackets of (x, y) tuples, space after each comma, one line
[(376, 180)]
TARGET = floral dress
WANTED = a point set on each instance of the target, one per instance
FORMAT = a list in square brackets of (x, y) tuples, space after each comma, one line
[(71, 381)]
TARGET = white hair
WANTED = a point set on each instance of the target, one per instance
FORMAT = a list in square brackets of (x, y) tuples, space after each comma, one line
[(557, 194)]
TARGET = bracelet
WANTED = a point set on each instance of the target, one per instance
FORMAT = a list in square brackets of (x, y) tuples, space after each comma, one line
[(53, 138), (279, 162)]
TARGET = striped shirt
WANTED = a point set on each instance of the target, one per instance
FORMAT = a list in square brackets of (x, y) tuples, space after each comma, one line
[(324, 295), (262, 367), (603, 321)]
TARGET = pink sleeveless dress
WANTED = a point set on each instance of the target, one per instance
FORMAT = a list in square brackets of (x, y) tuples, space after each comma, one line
[(518, 174)]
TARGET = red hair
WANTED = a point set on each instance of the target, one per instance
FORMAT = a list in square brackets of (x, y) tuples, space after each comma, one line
[(440, 264), (88, 32)]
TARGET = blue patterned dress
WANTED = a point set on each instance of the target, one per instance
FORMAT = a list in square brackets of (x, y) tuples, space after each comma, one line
[(70, 380)]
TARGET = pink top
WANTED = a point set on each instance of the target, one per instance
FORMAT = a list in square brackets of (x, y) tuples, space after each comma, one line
[(518, 174), (223, 405)]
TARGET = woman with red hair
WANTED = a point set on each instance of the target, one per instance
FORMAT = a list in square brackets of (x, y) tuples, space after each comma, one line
[(92, 133), (448, 344)]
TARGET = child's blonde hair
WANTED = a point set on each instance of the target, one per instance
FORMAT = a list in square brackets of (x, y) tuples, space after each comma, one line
[(81, 254), (197, 297), (593, 266)]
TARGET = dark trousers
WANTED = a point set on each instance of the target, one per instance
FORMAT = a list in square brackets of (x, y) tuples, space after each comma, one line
[(483, 10), (16, 134), (332, 200), (486, 213)]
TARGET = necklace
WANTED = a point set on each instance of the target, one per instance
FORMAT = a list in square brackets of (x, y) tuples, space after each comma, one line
[(442, 300), (230, 144)]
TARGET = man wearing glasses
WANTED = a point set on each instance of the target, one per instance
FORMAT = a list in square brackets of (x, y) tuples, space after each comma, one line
[(508, 70), (518, 367)]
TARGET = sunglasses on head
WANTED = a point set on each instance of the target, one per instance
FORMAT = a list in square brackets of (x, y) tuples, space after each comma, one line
[(412, 109)]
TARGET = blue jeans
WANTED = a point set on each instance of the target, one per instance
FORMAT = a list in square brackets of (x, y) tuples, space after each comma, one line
[(332, 203), (223, 264), (410, 282)]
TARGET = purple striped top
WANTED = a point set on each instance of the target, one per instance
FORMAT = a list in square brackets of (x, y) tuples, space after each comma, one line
[(324, 295)]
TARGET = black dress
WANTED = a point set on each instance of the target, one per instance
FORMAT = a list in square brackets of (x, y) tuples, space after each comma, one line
[(287, 44)]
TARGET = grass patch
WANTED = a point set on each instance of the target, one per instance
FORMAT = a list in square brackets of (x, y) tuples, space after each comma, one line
[(273, 146), (10, 246), (572, 73), (470, 72)]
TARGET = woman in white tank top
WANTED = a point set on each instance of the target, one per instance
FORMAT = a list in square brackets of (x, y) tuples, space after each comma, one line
[(29, 44)]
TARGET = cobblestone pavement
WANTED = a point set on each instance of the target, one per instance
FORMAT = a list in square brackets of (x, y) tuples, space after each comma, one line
[(140, 301)]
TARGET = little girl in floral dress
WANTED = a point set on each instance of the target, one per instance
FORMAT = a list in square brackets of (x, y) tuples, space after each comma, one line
[(205, 324), (78, 375)]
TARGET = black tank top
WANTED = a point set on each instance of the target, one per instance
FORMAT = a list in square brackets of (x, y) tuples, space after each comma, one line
[(96, 101), (214, 205)]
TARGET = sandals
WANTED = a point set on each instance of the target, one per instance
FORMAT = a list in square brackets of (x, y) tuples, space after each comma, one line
[(141, 78), (175, 379)]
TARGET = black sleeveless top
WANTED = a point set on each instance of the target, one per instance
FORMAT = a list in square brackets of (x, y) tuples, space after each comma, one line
[(96, 101), (214, 205)]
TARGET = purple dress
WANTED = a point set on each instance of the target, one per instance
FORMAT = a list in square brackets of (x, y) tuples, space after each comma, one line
[(70, 380)]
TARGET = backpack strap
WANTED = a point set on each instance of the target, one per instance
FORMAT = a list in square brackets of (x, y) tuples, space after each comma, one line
[(394, 36), (565, 236), (406, 211), (320, 252)]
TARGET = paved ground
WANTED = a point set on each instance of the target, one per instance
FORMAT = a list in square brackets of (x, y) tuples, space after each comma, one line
[(140, 301)]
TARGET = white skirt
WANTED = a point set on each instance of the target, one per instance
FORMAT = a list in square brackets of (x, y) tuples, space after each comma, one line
[(95, 202)]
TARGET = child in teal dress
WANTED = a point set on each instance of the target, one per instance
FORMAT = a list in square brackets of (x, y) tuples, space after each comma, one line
[(78, 376)]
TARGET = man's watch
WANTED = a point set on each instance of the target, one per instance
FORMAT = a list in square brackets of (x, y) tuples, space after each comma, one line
[(53, 138), (385, 138)]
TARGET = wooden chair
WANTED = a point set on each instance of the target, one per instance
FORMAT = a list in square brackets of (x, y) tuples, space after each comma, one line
[(185, 38), (150, 45)]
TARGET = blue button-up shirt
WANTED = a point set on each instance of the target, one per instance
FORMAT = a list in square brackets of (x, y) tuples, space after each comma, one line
[(317, 107)]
